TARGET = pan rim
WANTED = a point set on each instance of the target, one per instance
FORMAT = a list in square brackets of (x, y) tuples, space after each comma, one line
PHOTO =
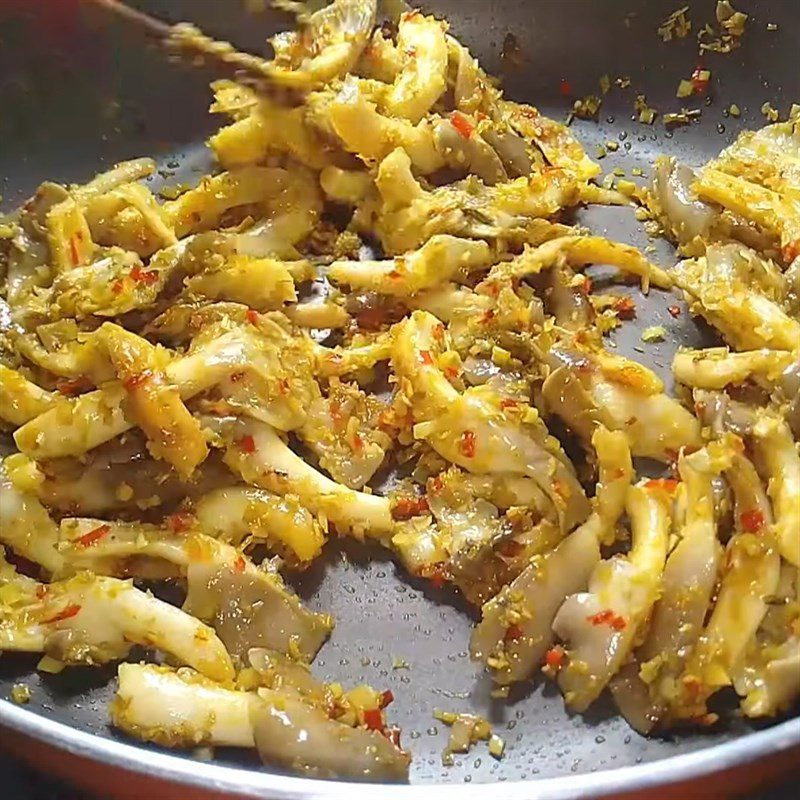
[(247, 783)]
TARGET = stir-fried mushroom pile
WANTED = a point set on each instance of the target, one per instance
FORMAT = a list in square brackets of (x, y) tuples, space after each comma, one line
[(185, 407)]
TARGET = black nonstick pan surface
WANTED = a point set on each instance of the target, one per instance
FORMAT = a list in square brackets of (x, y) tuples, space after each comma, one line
[(79, 91)]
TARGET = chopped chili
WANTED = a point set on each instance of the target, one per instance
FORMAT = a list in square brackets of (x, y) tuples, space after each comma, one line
[(675, 311), (507, 402), (42, 591), (252, 316), (247, 444), (451, 372), (135, 381), (148, 277), (72, 386), (791, 251), (554, 657), (565, 87), (407, 507), (438, 333), (435, 574), (180, 521), (436, 485), (93, 536), (625, 307), (70, 611), (425, 357), (699, 81), (117, 287), (666, 484), (74, 252), (464, 127), (386, 698), (752, 520), (608, 617), (393, 735), (467, 444), (239, 565), (373, 719), (561, 490)]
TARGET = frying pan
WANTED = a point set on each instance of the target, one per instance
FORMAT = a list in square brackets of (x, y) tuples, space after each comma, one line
[(80, 91)]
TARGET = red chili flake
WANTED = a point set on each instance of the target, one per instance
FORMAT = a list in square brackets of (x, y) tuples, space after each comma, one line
[(565, 87), (393, 735), (358, 442), (608, 617), (335, 410), (69, 612), (140, 276), (74, 253), (510, 548), (487, 317), (791, 251), (407, 507), (752, 520), (71, 387), (561, 490), (675, 311), (93, 536), (625, 307), (386, 698), (435, 574), (507, 402), (425, 357), (513, 633), (117, 287), (464, 127), (438, 333), (699, 84), (252, 316), (373, 719), (492, 289), (467, 444), (180, 521), (239, 565), (554, 657), (438, 580), (133, 382), (42, 591), (451, 372), (436, 485), (236, 377), (283, 386), (386, 420), (395, 274), (247, 444), (586, 286), (665, 484)]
